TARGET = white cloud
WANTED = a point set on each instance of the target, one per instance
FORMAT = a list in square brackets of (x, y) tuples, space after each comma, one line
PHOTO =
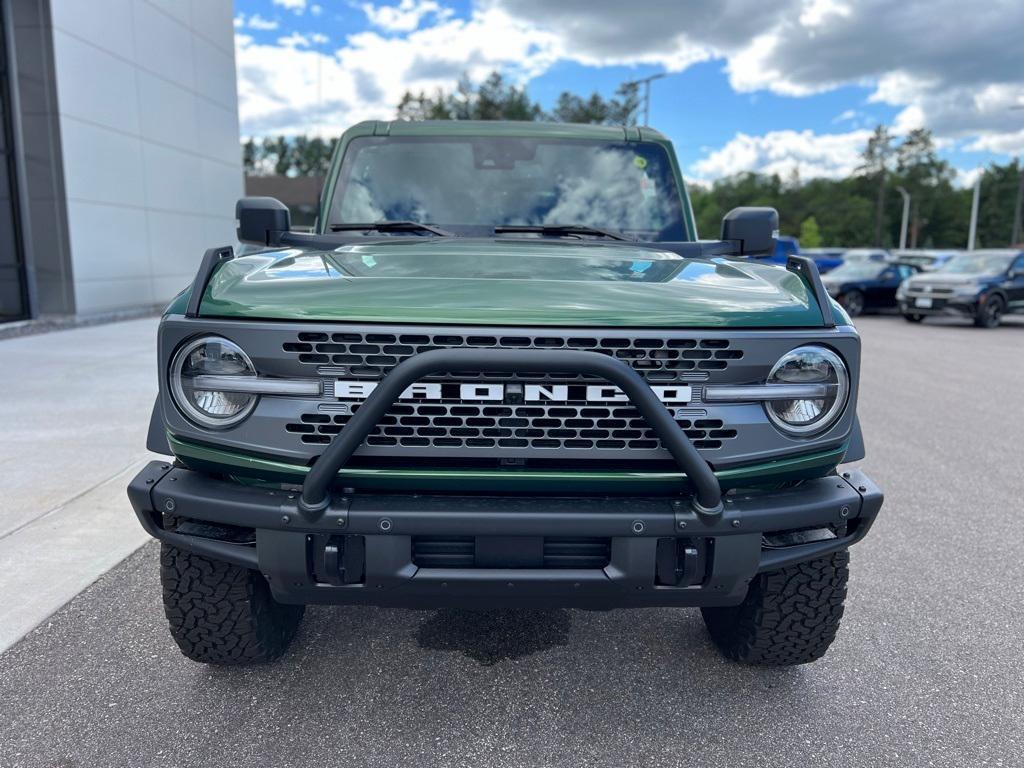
[(817, 13), (296, 6), (406, 16), (848, 116), (830, 155), (966, 178), (315, 9), (947, 64), (1001, 143), (294, 40), (258, 22), (292, 88)]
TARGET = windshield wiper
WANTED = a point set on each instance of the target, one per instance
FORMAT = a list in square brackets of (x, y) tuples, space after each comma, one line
[(560, 229), (392, 226)]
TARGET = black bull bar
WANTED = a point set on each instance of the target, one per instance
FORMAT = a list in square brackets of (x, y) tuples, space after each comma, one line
[(707, 496)]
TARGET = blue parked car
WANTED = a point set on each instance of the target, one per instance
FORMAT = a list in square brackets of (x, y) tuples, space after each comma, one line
[(827, 259)]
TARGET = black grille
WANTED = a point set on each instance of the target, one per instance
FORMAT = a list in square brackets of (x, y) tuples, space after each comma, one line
[(370, 355), (572, 425), (558, 552)]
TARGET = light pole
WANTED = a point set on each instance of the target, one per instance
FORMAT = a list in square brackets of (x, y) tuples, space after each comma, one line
[(906, 215), (974, 212), (646, 83), (1015, 237)]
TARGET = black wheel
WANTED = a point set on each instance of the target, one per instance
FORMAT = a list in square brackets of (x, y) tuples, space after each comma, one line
[(853, 303), (788, 617), (913, 318), (990, 312), (223, 614)]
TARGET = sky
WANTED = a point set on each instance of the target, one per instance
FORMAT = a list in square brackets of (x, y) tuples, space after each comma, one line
[(752, 85)]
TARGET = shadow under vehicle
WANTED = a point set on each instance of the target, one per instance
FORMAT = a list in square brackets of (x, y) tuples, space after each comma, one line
[(505, 372)]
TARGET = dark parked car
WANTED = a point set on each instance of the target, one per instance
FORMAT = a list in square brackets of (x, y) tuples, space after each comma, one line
[(863, 286), (980, 285)]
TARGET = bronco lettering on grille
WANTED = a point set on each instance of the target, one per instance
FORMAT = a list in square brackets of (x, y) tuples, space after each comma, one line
[(528, 393)]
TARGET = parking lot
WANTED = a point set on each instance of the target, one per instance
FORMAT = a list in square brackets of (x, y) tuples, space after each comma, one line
[(926, 670)]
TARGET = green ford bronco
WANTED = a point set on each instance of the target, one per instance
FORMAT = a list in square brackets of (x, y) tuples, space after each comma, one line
[(503, 371)]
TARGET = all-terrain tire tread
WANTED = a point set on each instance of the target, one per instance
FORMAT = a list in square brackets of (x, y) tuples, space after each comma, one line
[(220, 613), (789, 616)]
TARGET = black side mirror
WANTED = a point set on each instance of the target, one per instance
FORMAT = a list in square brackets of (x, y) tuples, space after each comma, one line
[(753, 229), (262, 220)]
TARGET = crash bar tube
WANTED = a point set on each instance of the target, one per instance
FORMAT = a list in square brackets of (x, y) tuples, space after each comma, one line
[(315, 497)]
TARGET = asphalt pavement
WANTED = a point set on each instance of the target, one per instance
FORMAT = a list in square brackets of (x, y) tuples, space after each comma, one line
[(926, 671)]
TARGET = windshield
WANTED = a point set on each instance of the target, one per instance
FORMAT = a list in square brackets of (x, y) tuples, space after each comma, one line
[(470, 185), (978, 264), (861, 270)]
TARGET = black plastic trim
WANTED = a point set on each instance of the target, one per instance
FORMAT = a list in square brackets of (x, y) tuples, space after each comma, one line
[(156, 436), (805, 267), (847, 504), (211, 260)]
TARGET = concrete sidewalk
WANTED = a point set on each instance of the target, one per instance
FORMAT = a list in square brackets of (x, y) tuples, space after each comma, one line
[(74, 410)]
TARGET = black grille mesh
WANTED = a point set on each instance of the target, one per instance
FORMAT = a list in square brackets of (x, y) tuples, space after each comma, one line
[(370, 355), (443, 425)]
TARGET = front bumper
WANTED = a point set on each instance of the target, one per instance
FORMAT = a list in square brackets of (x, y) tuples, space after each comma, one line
[(947, 307), (368, 548)]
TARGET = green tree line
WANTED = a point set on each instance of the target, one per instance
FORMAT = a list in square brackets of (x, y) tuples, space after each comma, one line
[(493, 99), (866, 208), (863, 209)]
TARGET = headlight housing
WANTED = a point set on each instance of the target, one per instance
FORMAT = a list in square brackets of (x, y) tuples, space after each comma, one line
[(211, 356), (809, 365)]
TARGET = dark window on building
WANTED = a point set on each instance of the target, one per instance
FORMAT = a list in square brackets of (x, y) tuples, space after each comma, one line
[(12, 273)]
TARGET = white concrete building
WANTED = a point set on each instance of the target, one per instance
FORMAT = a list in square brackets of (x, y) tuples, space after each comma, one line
[(121, 160)]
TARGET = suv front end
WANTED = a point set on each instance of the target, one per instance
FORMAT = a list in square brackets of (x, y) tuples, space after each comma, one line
[(652, 426)]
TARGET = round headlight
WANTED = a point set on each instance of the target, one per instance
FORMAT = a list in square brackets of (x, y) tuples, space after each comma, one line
[(809, 365), (197, 368)]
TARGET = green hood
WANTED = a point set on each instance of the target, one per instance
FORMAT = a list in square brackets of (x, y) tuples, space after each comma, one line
[(508, 281)]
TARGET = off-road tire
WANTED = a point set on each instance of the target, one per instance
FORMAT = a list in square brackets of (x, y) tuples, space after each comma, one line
[(853, 303), (222, 614), (990, 313), (788, 617), (913, 318)]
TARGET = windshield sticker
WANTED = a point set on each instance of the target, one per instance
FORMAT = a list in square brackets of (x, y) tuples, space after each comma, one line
[(638, 267), (369, 261), (640, 161)]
